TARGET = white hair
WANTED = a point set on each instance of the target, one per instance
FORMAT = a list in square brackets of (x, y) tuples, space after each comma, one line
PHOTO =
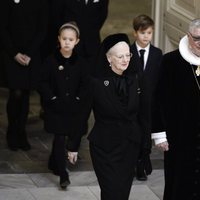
[(194, 24), (112, 49)]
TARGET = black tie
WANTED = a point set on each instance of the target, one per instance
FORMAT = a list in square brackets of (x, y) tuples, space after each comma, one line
[(142, 51)]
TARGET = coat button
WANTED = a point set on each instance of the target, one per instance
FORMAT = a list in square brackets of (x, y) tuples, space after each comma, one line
[(67, 94)]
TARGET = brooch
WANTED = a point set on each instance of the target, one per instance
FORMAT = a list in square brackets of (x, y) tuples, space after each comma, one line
[(106, 82), (16, 1), (60, 67)]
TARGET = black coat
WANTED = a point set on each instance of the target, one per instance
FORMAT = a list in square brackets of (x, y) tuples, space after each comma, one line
[(65, 79), (23, 28), (113, 122), (179, 96), (90, 19)]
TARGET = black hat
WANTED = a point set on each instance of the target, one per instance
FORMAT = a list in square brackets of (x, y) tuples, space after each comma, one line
[(113, 39), (102, 68)]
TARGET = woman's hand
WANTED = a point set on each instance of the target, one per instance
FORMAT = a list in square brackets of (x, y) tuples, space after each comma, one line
[(72, 157)]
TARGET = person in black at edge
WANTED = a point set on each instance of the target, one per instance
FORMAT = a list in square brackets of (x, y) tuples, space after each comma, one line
[(22, 31), (121, 118), (178, 134)]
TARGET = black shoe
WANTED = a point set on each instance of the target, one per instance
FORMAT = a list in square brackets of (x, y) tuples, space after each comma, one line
[(141, 176), (64, 182)]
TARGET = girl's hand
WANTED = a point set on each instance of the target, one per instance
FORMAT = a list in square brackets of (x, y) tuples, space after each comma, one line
[(72, 157)]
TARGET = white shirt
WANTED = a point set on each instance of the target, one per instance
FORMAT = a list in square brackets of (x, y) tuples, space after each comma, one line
[(146, 54)]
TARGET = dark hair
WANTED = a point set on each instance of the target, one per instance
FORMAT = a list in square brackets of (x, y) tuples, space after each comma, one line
[(142, 22), (70, 25)]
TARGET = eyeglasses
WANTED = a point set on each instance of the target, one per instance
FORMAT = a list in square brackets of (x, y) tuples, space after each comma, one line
[(121, 57), (195, 38)]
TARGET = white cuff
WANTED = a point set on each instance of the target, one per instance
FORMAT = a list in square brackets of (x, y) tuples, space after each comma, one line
[(158, 141), (159, 137)]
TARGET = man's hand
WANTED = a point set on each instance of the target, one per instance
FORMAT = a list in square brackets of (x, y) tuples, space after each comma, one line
[(164, 146)]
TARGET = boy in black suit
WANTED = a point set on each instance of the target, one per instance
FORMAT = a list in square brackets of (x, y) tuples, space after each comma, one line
[(146, 59)]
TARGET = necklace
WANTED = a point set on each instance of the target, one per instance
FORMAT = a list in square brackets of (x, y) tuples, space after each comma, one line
[(197, 71)]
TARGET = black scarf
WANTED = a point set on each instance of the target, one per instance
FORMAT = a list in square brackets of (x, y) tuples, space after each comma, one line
[(121, 87)]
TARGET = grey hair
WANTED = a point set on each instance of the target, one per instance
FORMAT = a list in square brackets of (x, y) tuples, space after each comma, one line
[(195, 23)]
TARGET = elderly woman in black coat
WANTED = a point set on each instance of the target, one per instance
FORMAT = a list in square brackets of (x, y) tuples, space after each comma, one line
[(121, 119)]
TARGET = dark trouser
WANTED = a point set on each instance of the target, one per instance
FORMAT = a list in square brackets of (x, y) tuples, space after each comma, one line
[(115, 169), (17, 112), (57, 159)]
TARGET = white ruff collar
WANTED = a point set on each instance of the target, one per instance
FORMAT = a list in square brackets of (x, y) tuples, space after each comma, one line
[(186, 52)]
